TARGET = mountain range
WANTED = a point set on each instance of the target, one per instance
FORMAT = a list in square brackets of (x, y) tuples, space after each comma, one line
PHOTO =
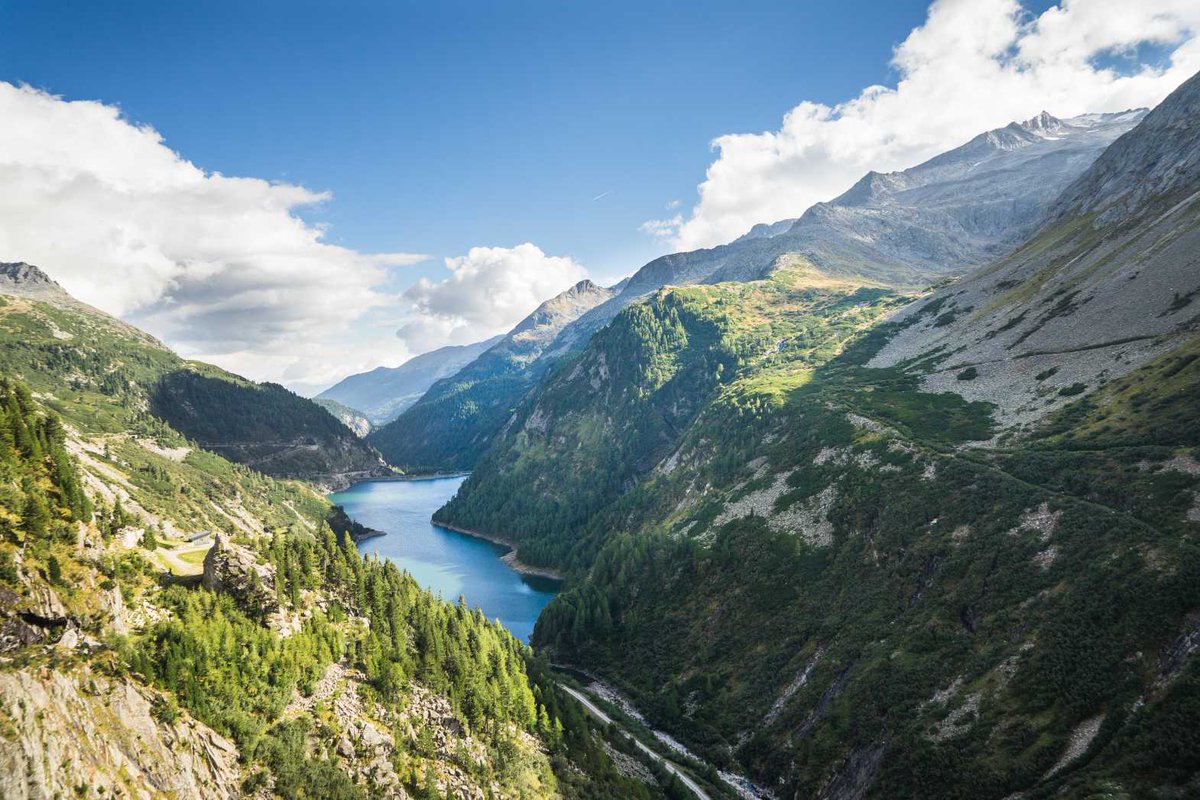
[(898, 499), (385, 392), (902, 229), (94, 368), (859, 541)]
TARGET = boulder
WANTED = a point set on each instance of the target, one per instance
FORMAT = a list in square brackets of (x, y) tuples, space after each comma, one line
[(235, 570), (44, 604)]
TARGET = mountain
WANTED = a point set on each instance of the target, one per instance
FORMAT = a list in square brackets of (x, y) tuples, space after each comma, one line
[(860, 544), (356, 421), (905, 229), (174, 624), (385, 392), (261, 658), (453, 422), (100, 373), (1105, 285), (902, 229)]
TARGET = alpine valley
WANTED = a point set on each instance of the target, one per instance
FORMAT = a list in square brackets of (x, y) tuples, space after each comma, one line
[(857, 540), (896, 499)]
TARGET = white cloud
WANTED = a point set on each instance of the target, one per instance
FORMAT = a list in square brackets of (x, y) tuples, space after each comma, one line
[(489, 290), (662, 228), (972, 66), (221, 268)]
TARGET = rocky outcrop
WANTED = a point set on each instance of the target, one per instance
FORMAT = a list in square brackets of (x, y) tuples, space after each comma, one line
[(234, 570), (356, 421), (38, 618), (365, 736), (853, 778), (28, 281), (83, 733)]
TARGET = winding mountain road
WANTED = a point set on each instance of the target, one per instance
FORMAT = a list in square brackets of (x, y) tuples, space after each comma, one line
[(670, 766)]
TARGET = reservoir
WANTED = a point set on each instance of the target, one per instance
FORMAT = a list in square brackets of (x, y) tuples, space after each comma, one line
[(444, 561)]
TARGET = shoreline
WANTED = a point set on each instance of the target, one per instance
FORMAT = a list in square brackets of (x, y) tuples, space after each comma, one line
[(509, 558), (372, 533), (429, 476)]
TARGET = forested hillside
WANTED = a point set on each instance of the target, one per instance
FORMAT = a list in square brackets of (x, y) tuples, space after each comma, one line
[(598, 427), (902, 229), (453, 423), (842, 554), (105, 376), (294, 669)]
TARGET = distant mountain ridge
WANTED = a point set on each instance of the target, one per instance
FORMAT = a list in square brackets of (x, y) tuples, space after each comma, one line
[(903, 229), (453, 422), (384, 392), (909, 228)]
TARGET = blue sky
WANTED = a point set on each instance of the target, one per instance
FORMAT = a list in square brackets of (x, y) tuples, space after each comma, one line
[(442, 126), (299, 191)]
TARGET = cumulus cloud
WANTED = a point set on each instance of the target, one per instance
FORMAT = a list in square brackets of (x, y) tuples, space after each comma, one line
[(488, 291), (221, 267), (972, 66)]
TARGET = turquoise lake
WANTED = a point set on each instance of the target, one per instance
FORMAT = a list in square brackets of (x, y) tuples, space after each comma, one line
[(446, 562)]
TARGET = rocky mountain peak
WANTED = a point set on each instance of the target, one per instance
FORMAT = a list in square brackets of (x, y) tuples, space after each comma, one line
[(584, 286), (21, 272), (563, 307), (1044, 123), (26, 280)]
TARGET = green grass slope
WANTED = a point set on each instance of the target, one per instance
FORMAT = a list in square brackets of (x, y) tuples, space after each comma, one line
[(106, 377), (602, 422)]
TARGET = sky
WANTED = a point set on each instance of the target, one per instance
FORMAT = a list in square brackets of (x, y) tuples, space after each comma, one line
[(299, 191)]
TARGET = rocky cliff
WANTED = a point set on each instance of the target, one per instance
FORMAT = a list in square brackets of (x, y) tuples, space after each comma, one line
[(76, 731), (1105, 286)]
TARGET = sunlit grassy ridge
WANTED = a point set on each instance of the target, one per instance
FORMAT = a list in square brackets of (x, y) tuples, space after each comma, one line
[(627, 401)]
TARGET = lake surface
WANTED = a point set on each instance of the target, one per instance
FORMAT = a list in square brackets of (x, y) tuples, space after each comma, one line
[(442, 560)]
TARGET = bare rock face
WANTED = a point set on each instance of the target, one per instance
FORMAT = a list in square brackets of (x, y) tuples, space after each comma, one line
[(234, 570), (44, 603), (84, 729), (1107, 284), (26, 280), (15, 630), (35, 619)]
